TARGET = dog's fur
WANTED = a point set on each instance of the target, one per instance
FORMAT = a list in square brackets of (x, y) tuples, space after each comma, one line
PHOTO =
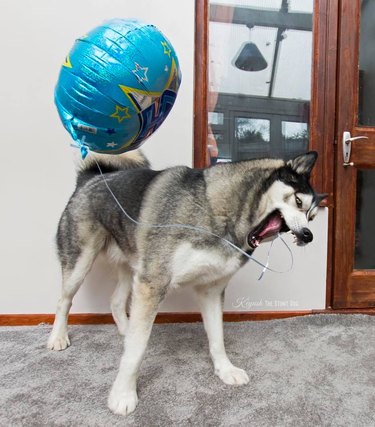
[(235, 201)]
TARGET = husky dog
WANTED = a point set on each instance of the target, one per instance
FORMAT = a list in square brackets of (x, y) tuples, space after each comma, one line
[(244, 202)]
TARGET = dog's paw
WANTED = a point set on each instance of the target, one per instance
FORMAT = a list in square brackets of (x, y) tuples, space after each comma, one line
[(232, 375), (122, 402), (58, 342)]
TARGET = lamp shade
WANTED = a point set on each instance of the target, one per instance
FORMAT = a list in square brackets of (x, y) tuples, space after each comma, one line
[(250, 58)]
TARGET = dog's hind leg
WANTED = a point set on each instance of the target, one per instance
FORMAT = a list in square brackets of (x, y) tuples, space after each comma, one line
[(210, 300), (72, 280), (146, 297), (120, 296)]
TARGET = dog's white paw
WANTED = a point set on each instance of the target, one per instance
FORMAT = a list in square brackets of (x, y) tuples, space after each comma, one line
[(122, 402), (58, 342), (232, 375)]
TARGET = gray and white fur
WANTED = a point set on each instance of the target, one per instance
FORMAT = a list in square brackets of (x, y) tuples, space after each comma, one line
[(243, 202)]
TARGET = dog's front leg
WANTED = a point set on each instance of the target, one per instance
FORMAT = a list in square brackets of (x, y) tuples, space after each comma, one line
[(211, 306), (123, 397)]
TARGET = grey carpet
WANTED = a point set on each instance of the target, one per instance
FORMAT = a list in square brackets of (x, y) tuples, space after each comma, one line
[(307, 371)]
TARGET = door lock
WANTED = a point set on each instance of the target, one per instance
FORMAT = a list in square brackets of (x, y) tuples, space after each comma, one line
[(347, 147)]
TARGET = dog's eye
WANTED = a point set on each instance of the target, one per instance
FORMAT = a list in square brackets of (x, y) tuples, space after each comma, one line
[(298, 202)]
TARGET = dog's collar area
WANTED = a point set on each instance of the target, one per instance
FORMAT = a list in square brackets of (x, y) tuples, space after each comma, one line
[(273, 224)]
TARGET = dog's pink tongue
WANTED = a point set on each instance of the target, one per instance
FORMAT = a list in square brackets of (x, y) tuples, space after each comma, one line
[(272, 227)]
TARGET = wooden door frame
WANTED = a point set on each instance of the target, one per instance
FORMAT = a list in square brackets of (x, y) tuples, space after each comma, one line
[(351, 288), (200, 133), (339, 278), (322, 111)]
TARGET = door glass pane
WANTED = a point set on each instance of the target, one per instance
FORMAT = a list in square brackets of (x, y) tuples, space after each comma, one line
[(366, 98), (259, 78), (252, 137), (365, 222), (295, 137), (215, 118)]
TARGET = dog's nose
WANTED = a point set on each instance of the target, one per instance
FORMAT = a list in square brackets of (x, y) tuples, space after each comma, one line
[(307, 236)]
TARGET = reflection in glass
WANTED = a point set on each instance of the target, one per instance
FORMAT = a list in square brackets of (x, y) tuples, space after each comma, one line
[(250, 58), (365, 224), (264, 108), (215, 118), (295, 138), (294, 68), (252, 138), (226, 39), (252, 130), (366, 99)]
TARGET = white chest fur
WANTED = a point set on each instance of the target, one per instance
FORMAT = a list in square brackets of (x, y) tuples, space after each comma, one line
[(199, 266)]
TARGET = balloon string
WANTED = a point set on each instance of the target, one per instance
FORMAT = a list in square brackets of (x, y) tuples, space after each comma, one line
[(268, 258), (266, 267)]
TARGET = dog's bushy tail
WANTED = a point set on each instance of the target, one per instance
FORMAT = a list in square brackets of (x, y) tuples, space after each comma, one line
[(88, 168)]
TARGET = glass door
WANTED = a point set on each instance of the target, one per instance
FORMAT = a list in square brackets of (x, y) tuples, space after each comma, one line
[(354, 259), (259, 85)]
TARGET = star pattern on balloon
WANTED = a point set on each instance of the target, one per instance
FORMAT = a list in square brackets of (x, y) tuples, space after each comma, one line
[(167, 49), (121, 113), (148, 104), (141, 73), (110, 131), (142, 99), (111, 144), (67, 63)]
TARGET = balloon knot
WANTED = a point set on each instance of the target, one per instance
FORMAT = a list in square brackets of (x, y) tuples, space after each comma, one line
[(84, 151), (82, 147)]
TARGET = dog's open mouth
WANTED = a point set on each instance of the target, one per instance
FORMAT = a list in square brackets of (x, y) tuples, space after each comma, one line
[(273, 224)]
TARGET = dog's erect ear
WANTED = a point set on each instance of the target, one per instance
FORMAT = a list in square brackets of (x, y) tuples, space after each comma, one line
[(320, 197), (304, 163)]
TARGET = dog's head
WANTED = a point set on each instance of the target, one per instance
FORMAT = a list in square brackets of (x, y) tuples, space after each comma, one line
[(289, 202)]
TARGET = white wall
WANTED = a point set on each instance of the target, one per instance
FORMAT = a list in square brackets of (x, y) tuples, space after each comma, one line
[(37, 173)]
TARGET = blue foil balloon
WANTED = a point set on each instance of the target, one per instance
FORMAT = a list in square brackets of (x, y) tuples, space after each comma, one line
[(117, 85)]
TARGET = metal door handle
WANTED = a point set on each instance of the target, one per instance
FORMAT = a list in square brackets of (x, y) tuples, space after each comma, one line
[(347, 147)]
